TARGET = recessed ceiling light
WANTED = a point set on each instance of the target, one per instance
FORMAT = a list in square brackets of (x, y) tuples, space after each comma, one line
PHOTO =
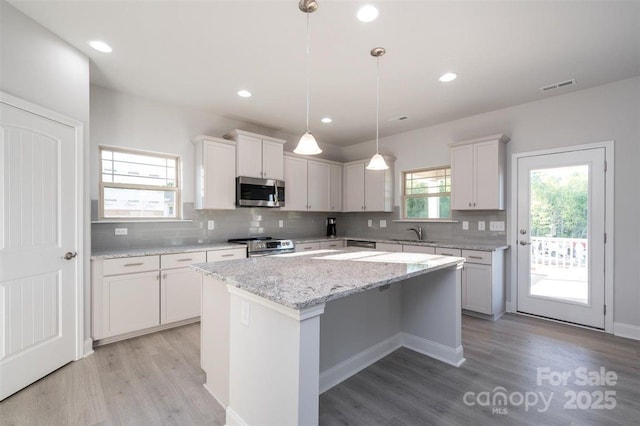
[(326, 120), (244, 93), (447, 77), (100, 46), (367, 13)]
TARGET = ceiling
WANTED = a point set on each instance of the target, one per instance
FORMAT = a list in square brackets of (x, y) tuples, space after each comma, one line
[(199, 54)]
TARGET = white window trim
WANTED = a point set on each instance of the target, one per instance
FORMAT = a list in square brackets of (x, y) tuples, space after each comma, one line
[(177, 189), (404, 196)]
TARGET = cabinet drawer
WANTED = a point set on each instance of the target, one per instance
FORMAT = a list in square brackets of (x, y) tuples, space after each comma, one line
[(332, 244), (476, 256), (419, 249), (448, 251), (227, 254), (128, 265), (307, 246), (180, 260), (389, 247)]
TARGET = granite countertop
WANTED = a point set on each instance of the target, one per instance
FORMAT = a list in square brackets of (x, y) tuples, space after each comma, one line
[(449, 244), (112, 254), (303, 280)]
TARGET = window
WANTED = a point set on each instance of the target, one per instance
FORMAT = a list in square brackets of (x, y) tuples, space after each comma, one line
[(426, 193), (138, 184)]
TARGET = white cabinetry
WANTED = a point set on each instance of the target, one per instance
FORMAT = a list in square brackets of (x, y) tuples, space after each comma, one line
[(483, 283), (388, 247), (308, 184), (478, 173), (307, 246), (331, 245), (418, 249), (258, 156), (367, 190), (180, 286), (141, 294), (335, 193), (215, 166)]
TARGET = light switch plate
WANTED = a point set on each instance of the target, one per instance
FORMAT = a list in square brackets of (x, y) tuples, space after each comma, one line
[(281, 223), (121, 231), (481, 225), (465, 225), (496, 226), (211, 225), (383, 223), (370, 223)]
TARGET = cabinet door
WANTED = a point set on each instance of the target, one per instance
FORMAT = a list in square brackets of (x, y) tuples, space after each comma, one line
[(249, 156), (318, 184), (477, 283), (388, 247), (131, 302), (335, 194), (353, 200), (219, 186), (180, 295), (462, 178), (332, 245), (272, 160), (295, 177), (488, 174), (374, 190), (419, 249)]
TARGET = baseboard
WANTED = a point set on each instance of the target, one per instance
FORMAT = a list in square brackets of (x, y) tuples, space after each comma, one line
[(341, 372), (234, 419), (88, 347), (626, 330), (208, 389), (434, 350), (138, 333)]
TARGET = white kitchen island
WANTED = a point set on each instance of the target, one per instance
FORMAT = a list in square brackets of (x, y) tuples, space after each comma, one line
[(277, 331)]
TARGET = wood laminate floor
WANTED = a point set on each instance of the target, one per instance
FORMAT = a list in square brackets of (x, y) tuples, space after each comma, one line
[(156, 380)]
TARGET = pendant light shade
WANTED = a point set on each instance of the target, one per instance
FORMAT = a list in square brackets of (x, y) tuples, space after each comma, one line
[(377, 161), (307, 144)]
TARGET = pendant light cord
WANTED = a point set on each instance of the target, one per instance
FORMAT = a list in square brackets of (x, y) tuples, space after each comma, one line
[(377, 101), (308, 54)]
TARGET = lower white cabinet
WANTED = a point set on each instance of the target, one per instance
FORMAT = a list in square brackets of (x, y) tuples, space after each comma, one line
[(418, 249), (138, 294), (328, 245), (307, 246), (483, 283), (388, 247)]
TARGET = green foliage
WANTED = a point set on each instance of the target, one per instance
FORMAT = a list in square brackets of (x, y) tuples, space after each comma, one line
[(558, 202)]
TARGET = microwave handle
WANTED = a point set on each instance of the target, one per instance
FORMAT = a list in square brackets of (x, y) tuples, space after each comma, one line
[(275, 186)]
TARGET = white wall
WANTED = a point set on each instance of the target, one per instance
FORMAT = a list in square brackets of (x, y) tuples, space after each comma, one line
[(39, 67), (119, 119), (609, 112)]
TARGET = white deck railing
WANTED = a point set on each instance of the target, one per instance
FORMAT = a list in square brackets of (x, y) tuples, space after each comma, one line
[(560, 252)]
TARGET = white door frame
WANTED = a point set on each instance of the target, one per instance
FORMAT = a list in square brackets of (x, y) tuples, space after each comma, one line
[(512, 235), (78, 127)]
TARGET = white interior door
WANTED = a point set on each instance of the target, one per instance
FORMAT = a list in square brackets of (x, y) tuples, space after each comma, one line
[(561, 241), (38, 226)]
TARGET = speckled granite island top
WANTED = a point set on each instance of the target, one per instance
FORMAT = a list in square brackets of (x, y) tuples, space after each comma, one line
[(303, 280)]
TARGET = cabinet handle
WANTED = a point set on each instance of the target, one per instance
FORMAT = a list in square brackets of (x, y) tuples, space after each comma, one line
[(474, 204), (185, 260), (474, 257), (227, 255), (469, 203), (447, 254), (134, 264), (308, 248), (164, 276)]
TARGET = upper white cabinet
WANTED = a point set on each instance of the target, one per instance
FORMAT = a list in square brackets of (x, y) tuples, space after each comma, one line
[(478, 173), (258, 156), (367, 190), (335, 193), (215, 166), (309, 184)]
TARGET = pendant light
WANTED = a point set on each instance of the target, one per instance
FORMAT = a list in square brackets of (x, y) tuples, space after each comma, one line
[(377, 161), (307, 144)]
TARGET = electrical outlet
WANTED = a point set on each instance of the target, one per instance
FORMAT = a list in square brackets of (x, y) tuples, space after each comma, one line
[(121, 231), (496, 226), (369, 223), (465, 225), (481, 225), (281, 223), (260, 230), (245, 313), (211, 225), (383, 223)]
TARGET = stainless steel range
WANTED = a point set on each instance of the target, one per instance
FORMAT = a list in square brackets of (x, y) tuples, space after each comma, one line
[(264, 246)]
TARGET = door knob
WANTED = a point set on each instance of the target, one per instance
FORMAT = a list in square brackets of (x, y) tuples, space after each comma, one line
[(68, 255), (524, 243)]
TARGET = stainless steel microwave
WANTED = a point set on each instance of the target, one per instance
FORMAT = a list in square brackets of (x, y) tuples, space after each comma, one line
[(254, 192)]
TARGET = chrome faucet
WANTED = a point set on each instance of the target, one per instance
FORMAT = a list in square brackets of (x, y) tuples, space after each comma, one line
[(417, 230)]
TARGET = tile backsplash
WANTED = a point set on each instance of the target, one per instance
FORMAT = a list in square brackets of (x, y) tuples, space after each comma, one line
[(245, 222)]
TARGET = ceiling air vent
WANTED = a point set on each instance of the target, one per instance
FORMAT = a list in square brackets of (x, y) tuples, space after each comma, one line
[(559, 85)]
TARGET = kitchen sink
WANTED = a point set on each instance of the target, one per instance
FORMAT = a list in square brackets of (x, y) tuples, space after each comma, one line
[(401, 240)]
